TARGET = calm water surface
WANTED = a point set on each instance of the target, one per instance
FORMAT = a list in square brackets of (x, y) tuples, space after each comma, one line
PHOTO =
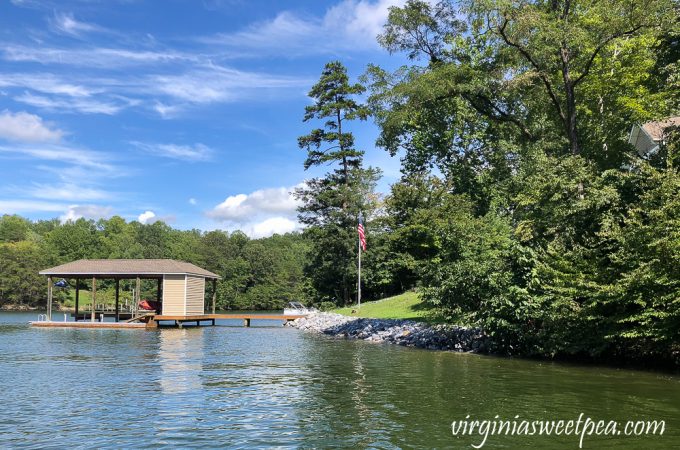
[(228, 386)]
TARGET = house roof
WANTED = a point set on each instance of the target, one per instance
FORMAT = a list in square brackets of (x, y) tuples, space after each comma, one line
[(127, 268), (655, 130)]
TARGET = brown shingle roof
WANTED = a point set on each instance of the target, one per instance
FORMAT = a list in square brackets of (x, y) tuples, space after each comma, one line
[(127, 267), (655, 130)]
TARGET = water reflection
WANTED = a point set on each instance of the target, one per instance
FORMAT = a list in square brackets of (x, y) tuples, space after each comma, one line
[(180, 353), (218, 387)]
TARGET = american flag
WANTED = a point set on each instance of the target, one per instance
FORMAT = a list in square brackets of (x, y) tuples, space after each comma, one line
[(362, 235)]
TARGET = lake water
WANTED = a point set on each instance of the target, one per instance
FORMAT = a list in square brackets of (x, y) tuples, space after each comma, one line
[(272, 386)]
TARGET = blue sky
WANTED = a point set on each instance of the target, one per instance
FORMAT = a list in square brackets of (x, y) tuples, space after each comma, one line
[(183, 111)]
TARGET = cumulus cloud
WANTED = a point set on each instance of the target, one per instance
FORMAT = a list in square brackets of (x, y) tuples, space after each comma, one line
[(273, 225), (361, 21), (261, 213), (196, 152), (150, 217), (241, 208), (26, 127), (76, 212), (146, 217)]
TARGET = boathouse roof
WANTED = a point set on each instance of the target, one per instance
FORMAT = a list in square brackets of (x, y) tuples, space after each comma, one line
[(122, 268)]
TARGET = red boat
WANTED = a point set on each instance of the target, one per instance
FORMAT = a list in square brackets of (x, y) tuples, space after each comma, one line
[(147, 305)]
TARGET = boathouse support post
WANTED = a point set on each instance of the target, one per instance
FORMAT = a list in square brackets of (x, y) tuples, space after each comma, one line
[(94, 295), (138, 295), (49, 298), (117, 299), (214, 296), (159, 283), (77, 298)]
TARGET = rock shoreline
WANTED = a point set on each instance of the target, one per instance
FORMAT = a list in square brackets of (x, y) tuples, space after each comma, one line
[(396, 331)]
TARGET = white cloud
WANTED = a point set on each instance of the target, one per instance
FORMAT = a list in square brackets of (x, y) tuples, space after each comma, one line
[(65, 192), (360, 21), (167, 93), (166, 111), (100, 57), (260, 213), (24, 206), (63, 154), (273, 225), (219, 84), (76, 212), (82, 171), (46, 83), (146, 217), (86, 106), (65, 23), (192, 201), (349, 25), (241, 208), (150, 217), (26, 127), (196, 152)]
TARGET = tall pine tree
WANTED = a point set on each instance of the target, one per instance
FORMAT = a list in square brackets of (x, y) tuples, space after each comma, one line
[(332, 203)]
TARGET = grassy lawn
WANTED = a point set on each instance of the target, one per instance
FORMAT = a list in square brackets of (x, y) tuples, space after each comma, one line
[(405, 306), (68, 298)]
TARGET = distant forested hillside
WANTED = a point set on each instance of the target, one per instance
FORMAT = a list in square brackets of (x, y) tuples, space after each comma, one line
[(256, 273)]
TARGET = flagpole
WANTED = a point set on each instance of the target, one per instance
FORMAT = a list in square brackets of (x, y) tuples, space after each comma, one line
[(359, 282)]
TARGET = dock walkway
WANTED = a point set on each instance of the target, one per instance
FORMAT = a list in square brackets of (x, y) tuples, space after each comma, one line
[(154, 321)]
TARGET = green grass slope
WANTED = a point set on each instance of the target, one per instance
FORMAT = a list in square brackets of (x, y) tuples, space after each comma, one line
[(405, 306)]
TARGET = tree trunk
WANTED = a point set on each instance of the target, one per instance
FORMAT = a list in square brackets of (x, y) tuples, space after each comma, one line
[(569, 88), (345, 171)]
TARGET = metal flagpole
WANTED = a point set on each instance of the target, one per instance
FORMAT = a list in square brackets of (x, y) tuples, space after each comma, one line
[(359, 282)]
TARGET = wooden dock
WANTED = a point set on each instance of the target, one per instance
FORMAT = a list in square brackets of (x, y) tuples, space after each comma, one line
[(247, 318), (153, 321), (47, 324)]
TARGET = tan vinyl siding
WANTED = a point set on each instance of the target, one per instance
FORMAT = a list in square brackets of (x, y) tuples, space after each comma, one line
[(174, 294), (195, 295)]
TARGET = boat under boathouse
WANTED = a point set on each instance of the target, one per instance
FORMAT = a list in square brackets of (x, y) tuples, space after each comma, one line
[(180, 286)]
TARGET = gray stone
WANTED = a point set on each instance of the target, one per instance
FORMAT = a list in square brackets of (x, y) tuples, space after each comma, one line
[(401, 332)]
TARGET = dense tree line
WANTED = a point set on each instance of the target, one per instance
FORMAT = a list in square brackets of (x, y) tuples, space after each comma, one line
[(522, 207), (256, 273)]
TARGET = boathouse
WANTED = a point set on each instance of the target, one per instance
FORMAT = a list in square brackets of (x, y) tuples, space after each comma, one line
[(180, 285)]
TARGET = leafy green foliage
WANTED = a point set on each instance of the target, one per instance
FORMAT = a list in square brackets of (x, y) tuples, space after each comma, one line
[(522, 206), (20, 263), (256, 274)]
